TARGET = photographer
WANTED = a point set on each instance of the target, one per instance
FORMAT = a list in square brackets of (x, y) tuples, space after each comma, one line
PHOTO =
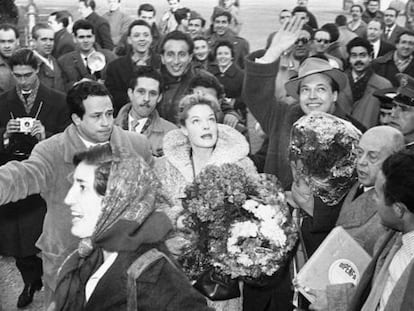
[(29, 113)]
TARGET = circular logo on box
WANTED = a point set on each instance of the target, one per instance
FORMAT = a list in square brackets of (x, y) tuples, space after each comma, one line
[(343, 271)]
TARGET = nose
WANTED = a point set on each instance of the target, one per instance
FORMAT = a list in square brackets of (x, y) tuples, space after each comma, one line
[(105, 121), (312, 93), (146, 96), (395, 111), (69, 197), (362, 160)]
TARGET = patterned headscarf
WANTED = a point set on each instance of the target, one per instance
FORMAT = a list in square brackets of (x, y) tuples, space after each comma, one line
[(127, 214)]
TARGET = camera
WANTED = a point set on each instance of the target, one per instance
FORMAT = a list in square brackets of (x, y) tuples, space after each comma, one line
[(26, 124)]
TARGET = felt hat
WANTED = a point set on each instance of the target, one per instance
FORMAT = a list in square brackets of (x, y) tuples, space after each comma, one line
[(311, 66)]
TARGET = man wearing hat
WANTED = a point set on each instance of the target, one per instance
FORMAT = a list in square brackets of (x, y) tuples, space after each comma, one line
[(385, 97), (316, 89), (196, 25), (402, 115)]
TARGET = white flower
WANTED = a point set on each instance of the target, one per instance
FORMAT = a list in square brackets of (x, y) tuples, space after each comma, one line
[(244, 260), (272, 231), (238, 230)]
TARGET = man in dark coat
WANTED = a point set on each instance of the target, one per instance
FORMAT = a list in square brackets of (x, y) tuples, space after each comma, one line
[(372, 11), (44, 114), (74, 65), (398, 61), (101, 25), (64, 42), (375, 29), (392, 30)]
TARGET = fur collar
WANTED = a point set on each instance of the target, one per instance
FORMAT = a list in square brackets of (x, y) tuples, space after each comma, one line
[(231, 147)]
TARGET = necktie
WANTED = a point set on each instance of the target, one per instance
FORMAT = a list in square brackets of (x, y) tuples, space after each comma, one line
[(387, 33), (86, 64)]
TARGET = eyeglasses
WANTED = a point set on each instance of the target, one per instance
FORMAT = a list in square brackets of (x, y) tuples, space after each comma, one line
[(302, 40), (325, 41)]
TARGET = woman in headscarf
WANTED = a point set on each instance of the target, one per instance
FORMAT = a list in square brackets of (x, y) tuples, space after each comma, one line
[(122, 262)]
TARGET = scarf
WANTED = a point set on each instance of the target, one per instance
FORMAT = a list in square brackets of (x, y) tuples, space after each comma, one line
[(127, 221), (358, 87)]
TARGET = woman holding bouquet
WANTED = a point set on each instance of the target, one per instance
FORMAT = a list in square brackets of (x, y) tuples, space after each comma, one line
[(199, 142)]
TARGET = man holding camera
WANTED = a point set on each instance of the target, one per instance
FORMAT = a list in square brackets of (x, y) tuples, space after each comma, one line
[(29, 113)]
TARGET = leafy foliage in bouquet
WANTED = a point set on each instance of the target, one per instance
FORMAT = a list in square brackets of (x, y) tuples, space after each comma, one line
[(325, 146), (241, 226)]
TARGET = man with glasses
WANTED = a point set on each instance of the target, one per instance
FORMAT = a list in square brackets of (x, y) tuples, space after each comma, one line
[(402, 114), (9, 42), (320, 44), (30, 112), (398, 61)]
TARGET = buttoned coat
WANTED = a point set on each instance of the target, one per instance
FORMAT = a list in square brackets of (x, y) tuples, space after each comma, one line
[(46, 172), (392, 39), (63, 44), (385, 67), (52, 78)]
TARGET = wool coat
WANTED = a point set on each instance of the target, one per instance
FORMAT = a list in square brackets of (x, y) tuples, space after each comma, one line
[(6, 77), (385, 67), (51, 78), (366, 110), (21, 222), (102, 31), (392, 38), (46, 172), (63, 44), (155, 132)]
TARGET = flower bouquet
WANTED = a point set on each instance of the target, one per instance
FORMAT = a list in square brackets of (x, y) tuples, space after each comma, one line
[(325, 147), (239, 226)]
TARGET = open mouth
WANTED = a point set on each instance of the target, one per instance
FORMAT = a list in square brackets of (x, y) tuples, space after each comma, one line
[(207, 136)]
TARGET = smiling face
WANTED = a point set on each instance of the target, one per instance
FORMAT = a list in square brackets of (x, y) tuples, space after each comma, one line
[(140, 38), (97, 122), (315, 94), (405, 46), (85, 40), (84, 202), (201, 126), (221, 25), (176, 57), (201, 50), (359, 59), (224, 57), (373, 6), (195, 27), (144, 97)]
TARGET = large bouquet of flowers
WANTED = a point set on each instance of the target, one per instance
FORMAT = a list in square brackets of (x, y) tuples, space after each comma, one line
[(239, 225), (325, 146)]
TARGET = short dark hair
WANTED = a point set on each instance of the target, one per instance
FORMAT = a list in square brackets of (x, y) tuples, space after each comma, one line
[(24, 57), (178, 36), (372, 1), (223, 43), (222, 13), (146, 72), (6, 27), (393, 9), (80, 91), (101, 157), (82, 24), (181, 14), (358, 6), (398, 170), (89, 3), (382, 24), (62, 17), (340, 20), (146, 7), (300, 9), (358, 41), (406, 32), (333, 31), (207, 80), (200, 38), (37, 27), (138, 22)]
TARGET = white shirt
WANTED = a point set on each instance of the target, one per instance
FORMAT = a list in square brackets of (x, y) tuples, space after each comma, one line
[(89, 144), (391, 29), (94, 279), (138, 128), (401, 260), (376, 47)]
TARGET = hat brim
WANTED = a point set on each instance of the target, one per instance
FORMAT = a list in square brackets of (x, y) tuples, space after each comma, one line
[(292, 86)]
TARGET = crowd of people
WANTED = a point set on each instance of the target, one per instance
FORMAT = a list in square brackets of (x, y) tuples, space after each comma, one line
[(106, 119)]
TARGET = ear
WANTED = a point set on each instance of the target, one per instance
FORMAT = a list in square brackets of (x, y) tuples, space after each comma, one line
[(130, 91), (162, 59), (399, 209), (76, 119), (335, 96)]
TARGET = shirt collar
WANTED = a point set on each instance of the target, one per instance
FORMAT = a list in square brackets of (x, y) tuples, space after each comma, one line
[(408, 242), (89, 144)]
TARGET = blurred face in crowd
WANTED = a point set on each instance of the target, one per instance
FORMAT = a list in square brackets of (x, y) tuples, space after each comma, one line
[(302, 45), (221, 25), (114, 5), (176, 57), (302, 3), (51, 21), (8, 43), (174, 4), (201, 126), (359, 59), (302, 15), (356, 13), (385, 116), (285, 16), (201, 50), (316, 94), (373, 6), (44, 41), (144, 97), (373, 148), (321, 41), (84, 202), (97, 122), (25, 76), (224, 56), (405, 46), (140, 38), (85, 40), (374, 31), (402, 118), (390, 17), (147, 16), (195, 27), (83, 9), (228, 3)]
